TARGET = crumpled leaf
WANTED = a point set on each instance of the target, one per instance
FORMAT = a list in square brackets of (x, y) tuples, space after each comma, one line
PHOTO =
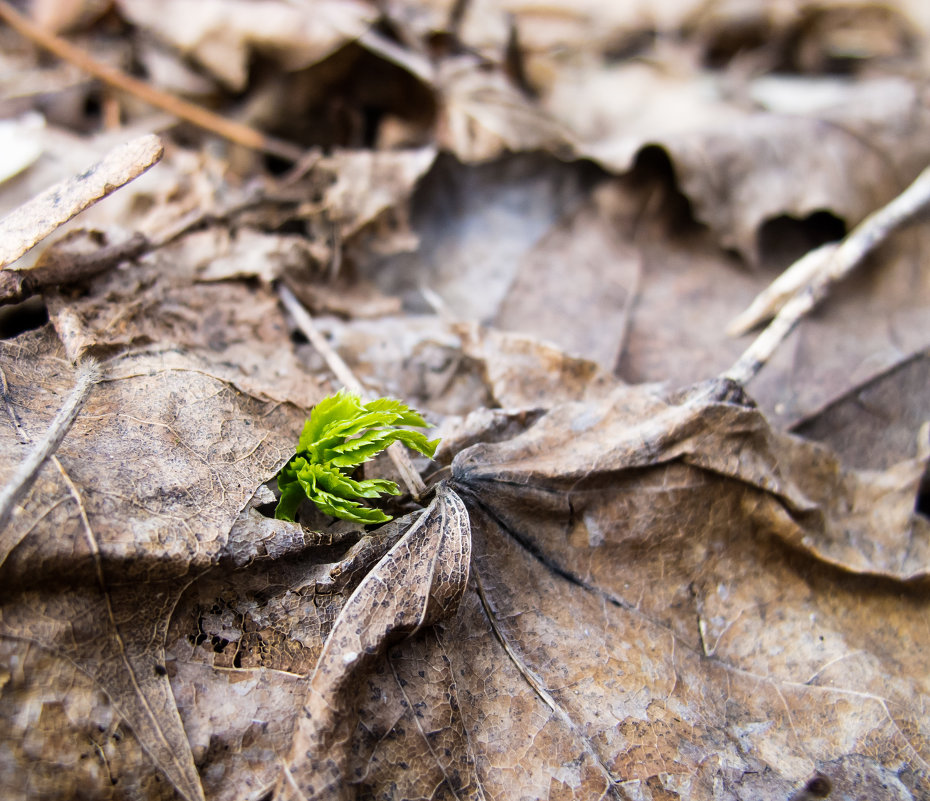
[(419, 582), (162, 301), (365, 184), (484, 114), (741, 169)]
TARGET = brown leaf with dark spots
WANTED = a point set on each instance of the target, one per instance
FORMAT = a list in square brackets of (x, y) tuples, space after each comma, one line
[(419, 582)]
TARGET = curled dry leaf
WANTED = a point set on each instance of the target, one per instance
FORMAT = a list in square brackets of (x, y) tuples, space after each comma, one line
[(483, 114), (365, 184), (740, 167), (419, 582)]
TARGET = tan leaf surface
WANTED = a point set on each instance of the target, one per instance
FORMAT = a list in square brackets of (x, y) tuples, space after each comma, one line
[(173, 298), (484, 114), (876, 425), (742, 168)]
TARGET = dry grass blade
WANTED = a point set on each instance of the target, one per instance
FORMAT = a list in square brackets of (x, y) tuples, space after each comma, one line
[(797, 291), (88, 374), (33, 221)]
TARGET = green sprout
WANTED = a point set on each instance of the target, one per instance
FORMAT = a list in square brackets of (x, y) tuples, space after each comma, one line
[(343, 432)]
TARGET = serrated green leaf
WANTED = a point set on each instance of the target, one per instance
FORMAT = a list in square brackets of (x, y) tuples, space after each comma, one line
[(362, 449), (341, 434), (417, 441), (327, 478), (365, 420), (348, 510), (329, 412), (406, 415)]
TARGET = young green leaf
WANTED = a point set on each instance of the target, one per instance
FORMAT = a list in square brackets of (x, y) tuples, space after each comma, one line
[(341, 434)]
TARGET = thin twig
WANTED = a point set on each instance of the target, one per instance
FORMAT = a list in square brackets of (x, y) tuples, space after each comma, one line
[(793, 280), (88, 374), (346, 377), (53, 270), (820, 270), (305, 323), (196, 115)]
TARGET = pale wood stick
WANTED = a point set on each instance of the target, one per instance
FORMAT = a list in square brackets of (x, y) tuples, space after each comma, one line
[(28, 224), (88, 374)]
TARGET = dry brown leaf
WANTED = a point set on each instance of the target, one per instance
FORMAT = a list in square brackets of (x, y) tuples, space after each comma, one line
[(246, 635), (577, 287), (418, 583), (567, 26), (740, 169), (871, 322), (647, 564), (523, 373), (876, 424), (163, 301), (475, 224), (139, 498), (483, 114), (362, 185), (62, 15)]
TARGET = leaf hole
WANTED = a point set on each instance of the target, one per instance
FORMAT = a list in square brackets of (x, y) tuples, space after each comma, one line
[(922, 503), (819, 786), (784, 239)]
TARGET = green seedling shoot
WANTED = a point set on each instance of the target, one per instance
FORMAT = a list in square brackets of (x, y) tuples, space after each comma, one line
[(341, 434)]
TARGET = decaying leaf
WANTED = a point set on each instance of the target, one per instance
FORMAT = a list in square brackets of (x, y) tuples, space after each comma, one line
[(221, 34)]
